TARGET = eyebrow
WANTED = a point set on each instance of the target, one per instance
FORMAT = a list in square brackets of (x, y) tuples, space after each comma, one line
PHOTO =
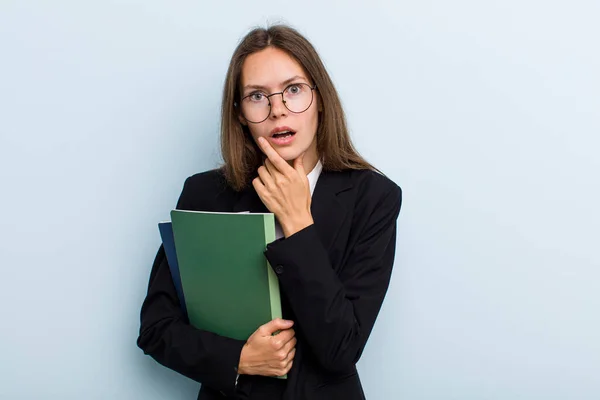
[(284, 83)]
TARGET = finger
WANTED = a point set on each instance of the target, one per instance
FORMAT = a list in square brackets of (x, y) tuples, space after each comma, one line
[(260, 188), (289, 346), (276, 325), (280, 340), (271, 168), (288, 368), (265, 177), (291, 355), (273, 156), (257, 183), (283, 368), (278, 177), (289, 334), (284, 338), (285, 358)]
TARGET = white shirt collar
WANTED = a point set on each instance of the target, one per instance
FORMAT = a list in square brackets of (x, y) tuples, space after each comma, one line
[(313, 176)]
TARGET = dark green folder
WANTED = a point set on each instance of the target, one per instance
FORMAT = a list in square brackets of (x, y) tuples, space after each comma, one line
[(228, 285)]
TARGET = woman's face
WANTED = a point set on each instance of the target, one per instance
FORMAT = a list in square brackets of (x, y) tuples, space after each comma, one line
[(270, 71)]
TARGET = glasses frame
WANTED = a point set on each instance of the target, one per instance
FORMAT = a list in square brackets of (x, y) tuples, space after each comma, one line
[(268, 96)]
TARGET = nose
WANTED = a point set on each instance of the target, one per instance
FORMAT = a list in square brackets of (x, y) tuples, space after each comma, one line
[(278, 107)]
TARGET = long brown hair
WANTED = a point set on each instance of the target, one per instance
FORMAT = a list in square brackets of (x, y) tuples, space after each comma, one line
[(241, 155)]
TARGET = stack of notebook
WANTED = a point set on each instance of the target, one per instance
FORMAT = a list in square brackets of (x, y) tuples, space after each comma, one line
[(223, 280)]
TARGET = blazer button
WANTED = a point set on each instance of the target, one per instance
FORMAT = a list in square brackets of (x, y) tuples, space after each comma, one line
[(279, 269)]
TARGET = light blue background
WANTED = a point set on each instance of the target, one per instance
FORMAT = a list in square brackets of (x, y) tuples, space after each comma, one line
[(486, 113)]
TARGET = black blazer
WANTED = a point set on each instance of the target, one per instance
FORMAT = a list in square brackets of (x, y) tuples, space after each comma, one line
[(333, 276)]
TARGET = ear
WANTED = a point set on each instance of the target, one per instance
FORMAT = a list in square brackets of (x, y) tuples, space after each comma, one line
[(239, 114)]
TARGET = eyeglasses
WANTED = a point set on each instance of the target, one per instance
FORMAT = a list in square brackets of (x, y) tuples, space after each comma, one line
[(297, 97)]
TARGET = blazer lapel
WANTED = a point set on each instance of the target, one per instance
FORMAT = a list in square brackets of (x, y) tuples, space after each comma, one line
[(248, 200), (327, 208)]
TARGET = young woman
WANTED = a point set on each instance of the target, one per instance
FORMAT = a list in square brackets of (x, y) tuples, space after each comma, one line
[(286, 150)]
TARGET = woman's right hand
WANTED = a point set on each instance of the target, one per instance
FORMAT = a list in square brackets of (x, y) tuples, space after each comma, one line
[(267, 354)]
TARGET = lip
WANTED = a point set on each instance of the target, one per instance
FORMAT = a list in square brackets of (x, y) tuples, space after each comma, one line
[(283, 141), (281, 129)]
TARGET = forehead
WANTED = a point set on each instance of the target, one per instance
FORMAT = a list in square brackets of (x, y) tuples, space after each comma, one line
[(269, 67)]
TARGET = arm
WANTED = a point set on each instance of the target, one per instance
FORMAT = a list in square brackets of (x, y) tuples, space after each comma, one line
[(166, 335), (336, 313)]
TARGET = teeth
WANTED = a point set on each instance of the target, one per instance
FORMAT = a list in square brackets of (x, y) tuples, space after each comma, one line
[(283, 134)]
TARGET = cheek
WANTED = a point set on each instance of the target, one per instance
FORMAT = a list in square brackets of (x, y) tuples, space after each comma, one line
[(254, 132), (313, 120)]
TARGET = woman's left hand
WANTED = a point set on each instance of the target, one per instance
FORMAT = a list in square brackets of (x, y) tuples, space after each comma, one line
[(284, 190)]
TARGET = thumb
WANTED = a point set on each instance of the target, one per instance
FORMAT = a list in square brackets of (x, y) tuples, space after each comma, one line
[(277, 324)]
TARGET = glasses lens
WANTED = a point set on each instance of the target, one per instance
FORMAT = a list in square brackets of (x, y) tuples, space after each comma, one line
[(298, 97), (255, 108)]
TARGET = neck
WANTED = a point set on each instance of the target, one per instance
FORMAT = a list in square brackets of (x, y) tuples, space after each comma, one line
[(311, 157), (310, 162)]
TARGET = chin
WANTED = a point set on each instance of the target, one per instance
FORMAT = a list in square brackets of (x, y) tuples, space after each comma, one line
[(290, 155)]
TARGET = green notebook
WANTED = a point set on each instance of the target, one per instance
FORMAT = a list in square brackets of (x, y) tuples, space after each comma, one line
[(228, 285)]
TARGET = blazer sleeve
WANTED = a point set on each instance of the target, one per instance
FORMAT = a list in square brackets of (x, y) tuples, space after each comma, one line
[(166, 335), (336, 313)]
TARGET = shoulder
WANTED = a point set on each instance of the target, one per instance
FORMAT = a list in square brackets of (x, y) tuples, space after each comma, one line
[(371, 195), (374, 189), (205, 190), (369, 180), (211, 178)]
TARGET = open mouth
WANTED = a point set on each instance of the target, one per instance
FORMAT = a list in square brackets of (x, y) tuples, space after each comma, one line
[(283, 135)]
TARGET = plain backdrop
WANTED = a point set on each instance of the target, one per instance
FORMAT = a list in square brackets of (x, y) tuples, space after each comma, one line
[(485, 113)]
